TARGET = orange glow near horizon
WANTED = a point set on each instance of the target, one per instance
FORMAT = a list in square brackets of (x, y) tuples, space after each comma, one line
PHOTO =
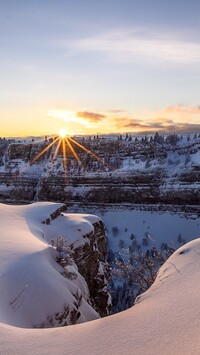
[(40, 121)]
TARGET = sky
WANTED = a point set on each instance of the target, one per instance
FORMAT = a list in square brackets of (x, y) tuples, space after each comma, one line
[(104, 66)]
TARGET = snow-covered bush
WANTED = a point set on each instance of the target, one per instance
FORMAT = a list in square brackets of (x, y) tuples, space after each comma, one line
[(65, 257)]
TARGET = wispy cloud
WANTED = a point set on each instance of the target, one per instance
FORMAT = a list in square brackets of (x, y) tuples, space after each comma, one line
[(169, 119), (174, 118), (85, 118), (91, 116), (119, 111), (67, 116), (126, 122), (130, 45), (182, 109), (132, 125)]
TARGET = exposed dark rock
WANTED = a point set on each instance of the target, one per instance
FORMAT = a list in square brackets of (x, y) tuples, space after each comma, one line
[(55, 214), (90, 259)]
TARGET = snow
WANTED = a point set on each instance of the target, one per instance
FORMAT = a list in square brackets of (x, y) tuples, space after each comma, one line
[(6, 188), (72, 227), (161, 226), (165, 320), (181, 157), (32, 287)]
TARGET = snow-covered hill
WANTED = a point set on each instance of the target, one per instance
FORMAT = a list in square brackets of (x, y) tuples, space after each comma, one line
[(34, 292), (165, 320)]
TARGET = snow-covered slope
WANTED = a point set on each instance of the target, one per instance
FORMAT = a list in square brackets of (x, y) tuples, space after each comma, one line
[(33, 291), (165, 320)]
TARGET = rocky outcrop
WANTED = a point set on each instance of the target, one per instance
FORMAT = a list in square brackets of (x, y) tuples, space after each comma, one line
[(55, 214), (27, 152), (15, 188), (68, 316), (91, 261), (139, 188)]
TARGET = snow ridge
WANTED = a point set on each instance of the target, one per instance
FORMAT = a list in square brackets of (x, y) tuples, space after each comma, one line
[(34, 291)]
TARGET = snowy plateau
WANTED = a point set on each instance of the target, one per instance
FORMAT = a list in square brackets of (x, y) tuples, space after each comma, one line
[(147, 194)]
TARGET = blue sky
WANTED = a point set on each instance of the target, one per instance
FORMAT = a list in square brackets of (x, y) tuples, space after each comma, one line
[(132, 63)]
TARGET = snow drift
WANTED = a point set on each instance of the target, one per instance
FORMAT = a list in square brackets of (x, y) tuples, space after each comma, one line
[(165, 319), (33, 291)]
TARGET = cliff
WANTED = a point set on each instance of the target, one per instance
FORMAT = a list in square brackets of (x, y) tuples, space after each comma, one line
[(45, 286), (125, 172), (85, 235)]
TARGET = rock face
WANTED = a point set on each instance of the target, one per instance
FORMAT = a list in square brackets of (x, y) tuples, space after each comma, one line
[(90, 258), (91, 262), (126, 172)]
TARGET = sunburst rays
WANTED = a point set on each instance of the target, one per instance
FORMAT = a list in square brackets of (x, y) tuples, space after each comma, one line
[(73, 151), (44, 150), (57, 150), (64, 155), (64, 146), (85, 149)]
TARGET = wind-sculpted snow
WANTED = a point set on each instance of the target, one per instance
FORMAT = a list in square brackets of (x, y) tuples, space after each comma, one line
[(165, 320), (34, 293)]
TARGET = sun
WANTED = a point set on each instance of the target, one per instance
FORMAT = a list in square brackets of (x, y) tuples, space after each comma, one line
[(63, 133)]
